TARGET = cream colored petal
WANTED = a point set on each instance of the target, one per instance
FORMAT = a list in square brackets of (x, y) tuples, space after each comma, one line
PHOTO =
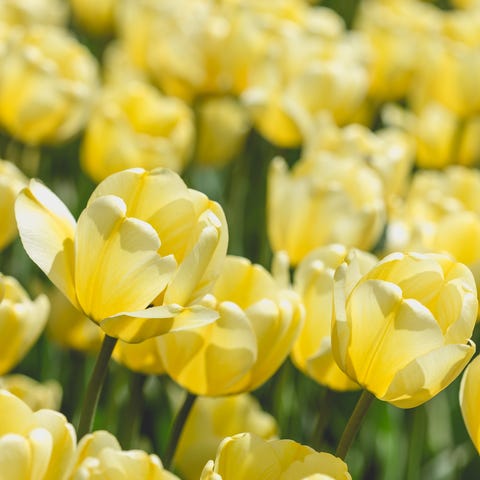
[(15, 457), (47, 232), (387, 333), (138, 326), (428, 375), (469, 395), (317, 466), (117, 265), (93, 443), (41, 444), (15, 415)]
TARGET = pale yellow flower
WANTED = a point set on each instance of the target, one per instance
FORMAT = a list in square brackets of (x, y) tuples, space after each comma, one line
[(134, 125), (469, 398), (99, 455), (48, 84), (403, 330), (314, 282), (143, 357), (323, 200), (33, 444), (11, 182), (94, 16), (213, 419), (144, 238), (33, 12), (257, 325), (248, 457), (21, 322)]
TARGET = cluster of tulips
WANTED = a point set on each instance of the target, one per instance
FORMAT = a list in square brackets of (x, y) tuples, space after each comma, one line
[(264, 195)]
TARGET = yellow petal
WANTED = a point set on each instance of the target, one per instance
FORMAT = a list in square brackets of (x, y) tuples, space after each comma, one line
[(138, 326), (14, 457), (428, 375), (117, 266), (469, 395), (47, 230)]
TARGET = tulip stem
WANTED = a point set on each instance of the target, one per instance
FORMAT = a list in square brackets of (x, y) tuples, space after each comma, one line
[(354, 423), (95, 386), (177, 428)]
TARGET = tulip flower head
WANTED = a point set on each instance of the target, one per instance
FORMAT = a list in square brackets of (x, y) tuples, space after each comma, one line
[(143, 239), (403, 330), (469, 398)]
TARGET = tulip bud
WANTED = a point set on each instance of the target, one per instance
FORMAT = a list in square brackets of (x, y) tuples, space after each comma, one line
[(213, 419), (34, 444), (11, 182), (246, 456), (99, 455), (403, 330), (47, 86), (469, 397), (133, 125), (96, 17), (21, 322)]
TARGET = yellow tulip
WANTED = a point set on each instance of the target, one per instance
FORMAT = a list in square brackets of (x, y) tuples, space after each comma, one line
[(403, 330), (134, 125), (99, 455), (213, 419), (323, 200), (35, 394), (21, 322), (33, 444), (95, 17), (143, 357), (11, 182), (28, 13), (47, 86), (469, 397), (257, 325), (144, 238), (246, 456), (314, 282)]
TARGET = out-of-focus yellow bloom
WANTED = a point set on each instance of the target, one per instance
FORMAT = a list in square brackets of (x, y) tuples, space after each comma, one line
[(144, 238), (21, 322), (246, 456), (223, 124), (396, 31), (314, 282), (442, 138), (33, 444), (404, 331), (323, 200), (33, 12), (47, 86), (389, 151), (70, 328), (11, 182), (99, 455), (469, 397), (257, 325), (35, 394), (94, 16), (143, 357), (213, 419), (133, 125)]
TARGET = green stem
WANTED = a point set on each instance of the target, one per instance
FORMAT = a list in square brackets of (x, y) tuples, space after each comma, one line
[(177, 428), (354, 423), (95, 386), (324, 415)]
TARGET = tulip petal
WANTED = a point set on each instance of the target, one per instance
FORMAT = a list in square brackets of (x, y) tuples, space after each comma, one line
[(134, 327), (117, 266), (47, 230), (387, 333), (427, 375), (14, 457), (469, 395)]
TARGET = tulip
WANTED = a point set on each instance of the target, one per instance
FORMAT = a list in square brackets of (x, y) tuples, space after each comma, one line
[(27, 13), (314, 282), (213, 419), (35, 394), (11, 182), (93, 16), (144, 238), (143, 357), (33, 444), (403, 330), (47, 86), (99, 455), (257, 325), (21, 322), (134, 125), (246, 456), (321, 201), (469, 397)]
